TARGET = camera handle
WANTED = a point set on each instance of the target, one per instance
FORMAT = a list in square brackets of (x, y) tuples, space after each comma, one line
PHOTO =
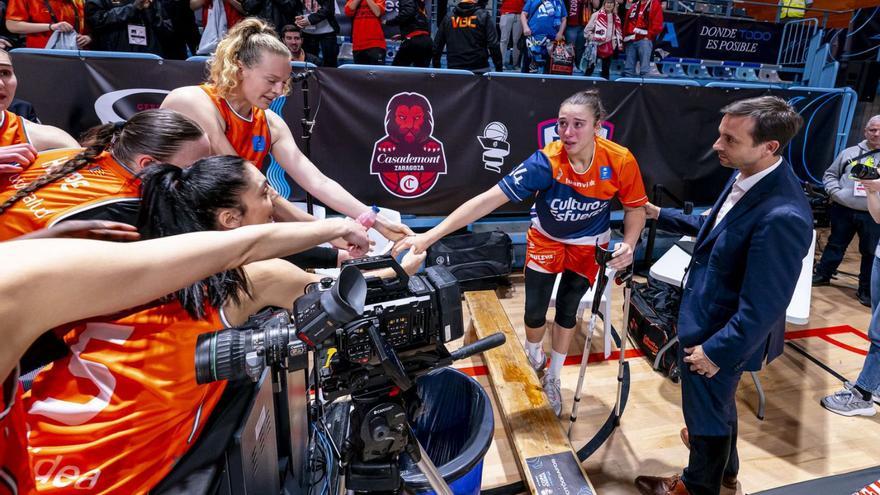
[(378, 262)]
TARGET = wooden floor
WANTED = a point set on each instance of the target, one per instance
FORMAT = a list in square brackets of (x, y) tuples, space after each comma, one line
[(797, 441)]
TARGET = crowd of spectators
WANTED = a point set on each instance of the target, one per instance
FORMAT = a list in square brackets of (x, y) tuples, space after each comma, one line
[(470, 35)]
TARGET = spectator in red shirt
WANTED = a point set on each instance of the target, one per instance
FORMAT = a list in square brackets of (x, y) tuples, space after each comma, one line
[(37, 19), (643, 23), (511, 30), (367, 37)]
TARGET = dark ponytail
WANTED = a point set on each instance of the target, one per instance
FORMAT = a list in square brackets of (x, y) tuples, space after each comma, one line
[(157, 133), (178, 201)]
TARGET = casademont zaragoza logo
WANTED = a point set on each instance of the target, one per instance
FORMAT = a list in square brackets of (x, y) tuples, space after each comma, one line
[(408, 159)]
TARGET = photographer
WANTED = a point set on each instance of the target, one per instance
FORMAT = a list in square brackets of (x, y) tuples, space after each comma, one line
[(582, 172), (857, 399), (65, 284), (145, 356), (849, 212)]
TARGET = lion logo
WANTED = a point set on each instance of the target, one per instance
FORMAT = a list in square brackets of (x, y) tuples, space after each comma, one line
[(408, 159)]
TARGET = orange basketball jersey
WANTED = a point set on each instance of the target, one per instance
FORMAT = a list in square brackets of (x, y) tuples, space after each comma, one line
[(15, 473), (250, 138), (12, 130), (115, 415), (102, 182)]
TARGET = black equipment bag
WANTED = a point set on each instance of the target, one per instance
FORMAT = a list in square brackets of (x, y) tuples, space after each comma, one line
[(653, 322), (478, 261)]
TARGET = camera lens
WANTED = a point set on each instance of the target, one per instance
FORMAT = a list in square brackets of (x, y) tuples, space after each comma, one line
[(220, 356)]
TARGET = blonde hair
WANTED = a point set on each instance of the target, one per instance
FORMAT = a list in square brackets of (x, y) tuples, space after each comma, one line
[(244, 43)]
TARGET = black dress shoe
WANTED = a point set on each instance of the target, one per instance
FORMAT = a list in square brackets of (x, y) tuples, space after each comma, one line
[(820, 280), (864, 299), (655, 485)]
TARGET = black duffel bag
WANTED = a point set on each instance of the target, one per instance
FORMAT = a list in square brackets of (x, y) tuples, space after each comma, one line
[(653, 323), (478, 261)]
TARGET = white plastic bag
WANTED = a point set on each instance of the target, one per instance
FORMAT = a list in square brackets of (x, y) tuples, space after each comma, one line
[(62, 41)]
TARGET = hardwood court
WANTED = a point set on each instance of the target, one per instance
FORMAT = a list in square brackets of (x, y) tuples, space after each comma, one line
[(797, 441)]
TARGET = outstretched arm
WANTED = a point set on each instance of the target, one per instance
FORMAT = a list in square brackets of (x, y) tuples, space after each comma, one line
[(55, 281), (472, 210)]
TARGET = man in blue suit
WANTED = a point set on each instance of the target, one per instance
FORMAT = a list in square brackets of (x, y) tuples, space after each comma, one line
[(746, 261)]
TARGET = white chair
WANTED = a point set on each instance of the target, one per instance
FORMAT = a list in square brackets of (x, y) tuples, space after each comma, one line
[(586, 303)]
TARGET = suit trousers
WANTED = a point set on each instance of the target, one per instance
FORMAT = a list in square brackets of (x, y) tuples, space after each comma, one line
[(709, 406)]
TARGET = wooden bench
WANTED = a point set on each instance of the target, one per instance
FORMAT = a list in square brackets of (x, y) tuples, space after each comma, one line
[(546, 461)]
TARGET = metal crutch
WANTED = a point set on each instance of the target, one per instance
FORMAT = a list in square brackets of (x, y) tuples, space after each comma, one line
[(602, 258), (625, 278)]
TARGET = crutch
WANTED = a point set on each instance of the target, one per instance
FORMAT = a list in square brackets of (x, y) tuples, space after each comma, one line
[(625, 278), (602, 258)]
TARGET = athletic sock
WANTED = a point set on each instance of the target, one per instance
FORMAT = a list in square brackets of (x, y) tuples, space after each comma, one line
[(866, 396), (533, 349), (556, 361)]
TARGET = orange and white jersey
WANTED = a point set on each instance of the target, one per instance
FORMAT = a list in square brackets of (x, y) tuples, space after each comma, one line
[(117, 413), (250, 138), (572, 207), (15, 472), (99, 183), (12, 129)]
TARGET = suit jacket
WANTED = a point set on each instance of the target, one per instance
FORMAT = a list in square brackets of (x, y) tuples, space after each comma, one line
[(743, 272)]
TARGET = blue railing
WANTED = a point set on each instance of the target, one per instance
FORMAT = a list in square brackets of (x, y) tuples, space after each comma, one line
[(87, 53)]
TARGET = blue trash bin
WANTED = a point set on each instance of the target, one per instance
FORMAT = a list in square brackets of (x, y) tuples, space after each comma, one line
[(455, 428)]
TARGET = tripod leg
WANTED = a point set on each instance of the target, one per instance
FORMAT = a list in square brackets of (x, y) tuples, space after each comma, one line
[(584, 358), (426, 466)]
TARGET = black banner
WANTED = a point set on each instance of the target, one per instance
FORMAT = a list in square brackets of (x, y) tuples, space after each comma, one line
[(716, 38), (423, 144)]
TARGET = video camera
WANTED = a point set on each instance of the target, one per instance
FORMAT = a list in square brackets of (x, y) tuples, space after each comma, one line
[(368, 337), (864, 170), (410, 313)]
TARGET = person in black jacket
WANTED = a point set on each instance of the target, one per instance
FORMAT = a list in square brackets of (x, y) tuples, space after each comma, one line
[(318, 22), (413, 22), (469, 35), (127, 25), (279, 13), (183, 40)]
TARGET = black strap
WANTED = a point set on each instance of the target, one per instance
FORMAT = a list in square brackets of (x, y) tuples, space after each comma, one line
[(55, 18)]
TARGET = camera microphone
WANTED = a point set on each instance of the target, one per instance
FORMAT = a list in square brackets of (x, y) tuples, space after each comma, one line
[(296, 77)]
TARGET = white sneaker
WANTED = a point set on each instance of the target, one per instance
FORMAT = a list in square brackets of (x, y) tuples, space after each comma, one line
[(540, 363), (847, 402), (552, 389)]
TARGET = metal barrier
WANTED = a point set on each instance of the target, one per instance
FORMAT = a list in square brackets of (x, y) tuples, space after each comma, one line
[(799, 40), (86, 53)]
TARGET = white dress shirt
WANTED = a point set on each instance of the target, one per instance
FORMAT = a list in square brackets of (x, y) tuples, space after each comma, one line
[(740, 187)]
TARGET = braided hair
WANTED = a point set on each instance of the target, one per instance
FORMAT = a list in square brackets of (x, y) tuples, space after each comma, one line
[(158, 133), (177, 201)]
